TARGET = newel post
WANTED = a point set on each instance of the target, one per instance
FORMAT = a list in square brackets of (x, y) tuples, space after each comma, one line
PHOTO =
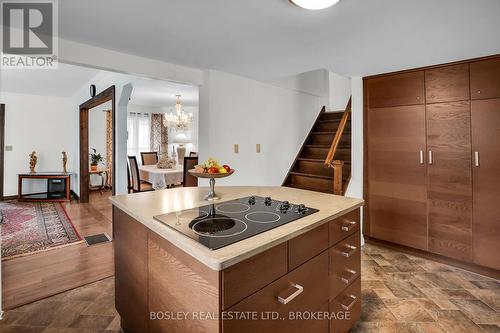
[(337, 176)]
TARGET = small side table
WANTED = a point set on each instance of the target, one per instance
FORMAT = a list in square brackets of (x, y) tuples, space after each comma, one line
[(58, 187), (104, 184)]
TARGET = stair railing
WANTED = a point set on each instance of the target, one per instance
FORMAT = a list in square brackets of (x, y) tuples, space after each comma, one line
[(338, 165)]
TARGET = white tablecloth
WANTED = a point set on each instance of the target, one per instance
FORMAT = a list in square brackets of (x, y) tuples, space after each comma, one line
[(160, 178)]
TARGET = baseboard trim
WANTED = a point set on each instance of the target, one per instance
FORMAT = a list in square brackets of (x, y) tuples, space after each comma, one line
[(9, 197), (489, 272), (74, 195)]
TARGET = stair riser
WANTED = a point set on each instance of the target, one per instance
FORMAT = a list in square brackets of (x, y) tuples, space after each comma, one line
[(327, 139), (331, 115), (330, 126), (343, 154), (319, 153), (314, 168), (313, 184)]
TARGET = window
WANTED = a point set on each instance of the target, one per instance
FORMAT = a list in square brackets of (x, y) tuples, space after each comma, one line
[(138, 127)]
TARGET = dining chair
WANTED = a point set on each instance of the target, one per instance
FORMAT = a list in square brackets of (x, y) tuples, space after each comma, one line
[(137, 184), (129, 180), (149, 157), (189, 180), (193, 154)]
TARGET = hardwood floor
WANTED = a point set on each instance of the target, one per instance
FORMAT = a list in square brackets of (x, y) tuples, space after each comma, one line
[(401, 293), (33, 277), (88, 309)]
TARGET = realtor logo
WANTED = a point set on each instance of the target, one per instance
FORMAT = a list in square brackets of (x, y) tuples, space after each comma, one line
[(29, 34)]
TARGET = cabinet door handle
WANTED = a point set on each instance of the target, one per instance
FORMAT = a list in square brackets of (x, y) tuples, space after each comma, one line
[(349, 307), (476, 158), (422, 157), (431, 155), (348, 226), (298, 290), (351, 252), (353, 276)]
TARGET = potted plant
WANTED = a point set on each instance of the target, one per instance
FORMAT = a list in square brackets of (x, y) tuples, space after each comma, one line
[(95, 159)]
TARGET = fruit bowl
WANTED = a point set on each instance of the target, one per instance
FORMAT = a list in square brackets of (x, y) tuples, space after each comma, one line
[(212, 176)]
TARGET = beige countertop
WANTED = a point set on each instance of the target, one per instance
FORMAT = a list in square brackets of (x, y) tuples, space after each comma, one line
[(143, 206)]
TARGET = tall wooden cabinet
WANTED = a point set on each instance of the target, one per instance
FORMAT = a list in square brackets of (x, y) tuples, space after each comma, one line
[(485, 121), (432, 160), (397, 187)]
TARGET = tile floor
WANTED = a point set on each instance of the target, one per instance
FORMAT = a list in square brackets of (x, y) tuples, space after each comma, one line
[(401, 293)]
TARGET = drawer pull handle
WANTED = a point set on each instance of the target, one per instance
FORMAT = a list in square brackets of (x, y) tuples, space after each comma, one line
[(349, 307), (353, 276), (351, 252), (348, 226), (297, 292)]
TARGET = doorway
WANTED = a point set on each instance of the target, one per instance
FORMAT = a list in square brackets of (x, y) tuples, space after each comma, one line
[(107, 95)]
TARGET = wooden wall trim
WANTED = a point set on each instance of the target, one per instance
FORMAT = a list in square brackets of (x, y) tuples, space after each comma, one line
[(2, 148), (459, 62), (103, 97)]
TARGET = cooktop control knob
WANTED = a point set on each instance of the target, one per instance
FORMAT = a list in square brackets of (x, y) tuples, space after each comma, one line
[(268, 201), (251, 200)]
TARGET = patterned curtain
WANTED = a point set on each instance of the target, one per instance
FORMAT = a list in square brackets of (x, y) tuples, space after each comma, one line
[(109, 146), (159, 134)]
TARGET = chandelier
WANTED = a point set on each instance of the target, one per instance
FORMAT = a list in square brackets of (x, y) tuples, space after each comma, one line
[(180, 121)]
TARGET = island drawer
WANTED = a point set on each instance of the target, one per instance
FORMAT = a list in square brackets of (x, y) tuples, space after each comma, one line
[(306, 246), (303, 289), (248, 276), (345, 263), (347, 308), (344, 226)]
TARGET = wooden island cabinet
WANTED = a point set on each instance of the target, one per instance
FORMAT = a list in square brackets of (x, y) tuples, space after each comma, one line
[(432, 161), (308, 283)]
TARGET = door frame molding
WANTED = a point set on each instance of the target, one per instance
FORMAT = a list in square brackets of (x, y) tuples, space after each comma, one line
[(2, 150), (103, 97)]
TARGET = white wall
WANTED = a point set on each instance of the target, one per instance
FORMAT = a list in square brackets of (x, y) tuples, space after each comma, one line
[(88, 55), (97, 136), (238, 110), (315, 83), (355, 188), (339, 91), (36, 123), (97, 128)]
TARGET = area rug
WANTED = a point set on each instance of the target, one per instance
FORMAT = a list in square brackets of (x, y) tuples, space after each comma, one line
[(30, 227)]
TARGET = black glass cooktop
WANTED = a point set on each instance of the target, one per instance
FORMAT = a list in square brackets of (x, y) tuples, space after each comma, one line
[(220, 224)]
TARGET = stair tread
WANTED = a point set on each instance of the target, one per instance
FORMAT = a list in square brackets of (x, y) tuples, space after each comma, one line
[(331, 132), (309, 189), (316, 160), (317, 146), (310, 175)]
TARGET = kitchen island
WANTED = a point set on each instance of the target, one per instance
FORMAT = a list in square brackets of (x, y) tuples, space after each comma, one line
[(302, 276)]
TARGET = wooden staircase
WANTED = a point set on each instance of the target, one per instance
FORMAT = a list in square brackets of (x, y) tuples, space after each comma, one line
[(323, 163)]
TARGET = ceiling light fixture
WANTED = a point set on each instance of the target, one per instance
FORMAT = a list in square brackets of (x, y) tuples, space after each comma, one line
[(314, 4), (180, 121)]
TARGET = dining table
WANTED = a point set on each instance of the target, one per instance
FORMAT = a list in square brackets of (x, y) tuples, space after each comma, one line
[(161, 178)]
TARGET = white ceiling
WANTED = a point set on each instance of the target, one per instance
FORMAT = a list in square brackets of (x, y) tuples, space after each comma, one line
[(156, 93), (272, 38), (61, 82), (67, 80)]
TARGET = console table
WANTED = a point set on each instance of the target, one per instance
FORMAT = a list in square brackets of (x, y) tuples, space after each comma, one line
[(58, 187)]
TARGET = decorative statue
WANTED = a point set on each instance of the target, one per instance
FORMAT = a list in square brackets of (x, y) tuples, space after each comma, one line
[(33, 160), (166, 162), (65, 161)]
